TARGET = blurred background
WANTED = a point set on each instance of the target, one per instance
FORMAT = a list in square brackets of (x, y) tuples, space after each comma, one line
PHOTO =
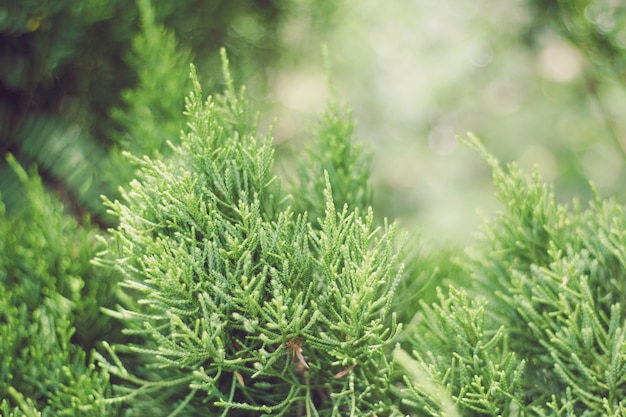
[(540, 82)]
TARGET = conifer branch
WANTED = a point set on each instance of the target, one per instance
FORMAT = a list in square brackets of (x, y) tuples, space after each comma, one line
[(238, 295)]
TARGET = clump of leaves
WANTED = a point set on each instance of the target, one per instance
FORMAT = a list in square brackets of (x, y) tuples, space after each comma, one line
[(50, 299), (237, 302), (547, 337)]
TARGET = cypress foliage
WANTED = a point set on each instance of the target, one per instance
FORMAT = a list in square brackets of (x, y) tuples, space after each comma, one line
[(347, 163), (237, 302), (50, 297), (241, 296), (547, 337), (157, 99)]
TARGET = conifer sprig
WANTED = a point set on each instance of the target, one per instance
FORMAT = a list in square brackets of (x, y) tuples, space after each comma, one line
[(236, 302), (461, 351), (347, 164), (50, 296), (560, 270), (549, 337)]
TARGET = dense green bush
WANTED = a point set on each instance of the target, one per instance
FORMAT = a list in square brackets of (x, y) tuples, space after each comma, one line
[(239, 301), (50, 300), (234, 299), (539, 328), (225, 288)]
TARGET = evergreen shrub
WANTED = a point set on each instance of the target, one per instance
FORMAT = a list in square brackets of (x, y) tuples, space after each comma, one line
[(539, 329), (246, 298), (239, 302), (223, 291), (50, 318)]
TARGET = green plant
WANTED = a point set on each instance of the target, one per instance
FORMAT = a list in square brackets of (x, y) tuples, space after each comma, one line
[(236, 301), (548, 336), (78, 81), (50, 319), (226, 293)]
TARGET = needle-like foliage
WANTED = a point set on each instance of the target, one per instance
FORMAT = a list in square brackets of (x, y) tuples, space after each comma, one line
[(548, 336), (50, 296), (241, 297), (236, 304)]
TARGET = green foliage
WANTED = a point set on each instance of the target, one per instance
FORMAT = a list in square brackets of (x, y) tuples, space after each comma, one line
[(347, 165), (238, 302), (150, 115), (243, 297), (460, 350), (50, 296), (549, 337), (562, 276), (80, 78), (158, 97)]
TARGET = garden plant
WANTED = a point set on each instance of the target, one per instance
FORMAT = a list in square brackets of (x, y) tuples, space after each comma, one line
[(223, 280)]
